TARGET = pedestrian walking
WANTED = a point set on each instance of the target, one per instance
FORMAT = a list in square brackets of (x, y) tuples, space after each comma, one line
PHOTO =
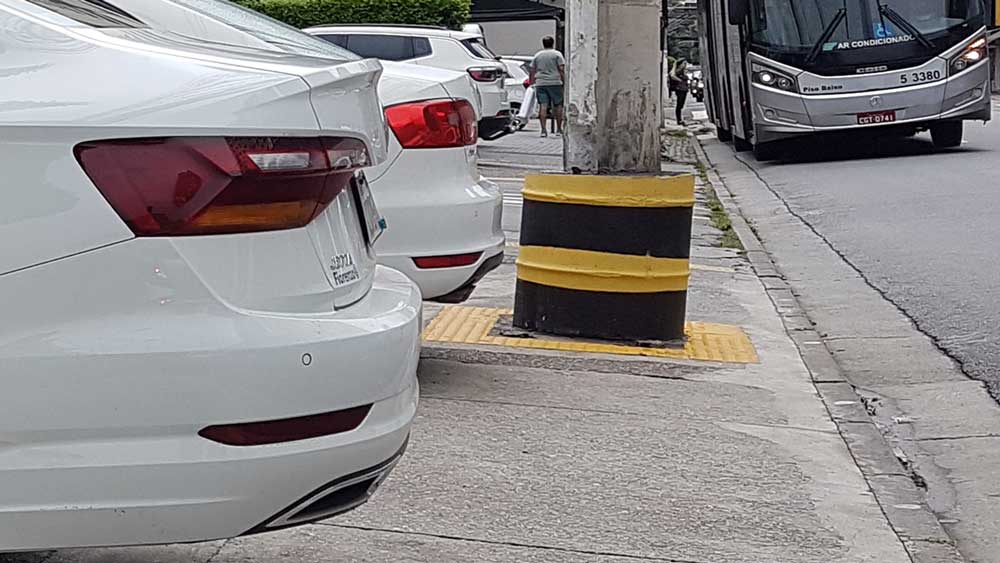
[(548, 74), (679, 84)]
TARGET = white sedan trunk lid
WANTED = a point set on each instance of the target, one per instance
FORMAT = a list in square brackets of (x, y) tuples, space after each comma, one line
[(188, 89)]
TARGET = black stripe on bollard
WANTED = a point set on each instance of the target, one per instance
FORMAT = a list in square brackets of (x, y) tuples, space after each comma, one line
[(664, 232), (612, 316)]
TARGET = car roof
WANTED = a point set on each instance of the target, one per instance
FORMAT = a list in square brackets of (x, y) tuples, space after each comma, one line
[(413, 30)]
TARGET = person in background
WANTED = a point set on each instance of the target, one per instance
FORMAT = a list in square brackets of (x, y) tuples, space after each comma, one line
[(548, 74), (679, 84)]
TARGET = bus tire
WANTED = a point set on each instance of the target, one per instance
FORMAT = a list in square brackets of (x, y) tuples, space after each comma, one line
[(724, 135), (765, 151), (947, 134), (742, 145)]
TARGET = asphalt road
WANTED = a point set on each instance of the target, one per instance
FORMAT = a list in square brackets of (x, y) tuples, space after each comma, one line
[(920, 225)]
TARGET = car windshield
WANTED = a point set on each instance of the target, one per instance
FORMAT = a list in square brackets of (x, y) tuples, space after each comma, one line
[(267, 29), (791, 25)]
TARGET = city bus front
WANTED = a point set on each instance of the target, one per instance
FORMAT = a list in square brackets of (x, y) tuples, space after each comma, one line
[(824, 65)]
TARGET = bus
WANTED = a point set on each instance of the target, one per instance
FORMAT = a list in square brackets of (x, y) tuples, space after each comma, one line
[(780, 69)]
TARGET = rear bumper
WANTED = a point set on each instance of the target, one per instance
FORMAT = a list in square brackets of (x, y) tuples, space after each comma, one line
[(176, 490), (453, 214), (463, 293), (114, 457), (442, 283), (779, 114)]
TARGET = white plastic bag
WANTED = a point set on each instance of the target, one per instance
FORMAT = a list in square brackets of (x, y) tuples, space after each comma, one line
[(528, 106)]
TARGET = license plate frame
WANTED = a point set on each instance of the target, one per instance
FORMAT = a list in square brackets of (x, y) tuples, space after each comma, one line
[(877, 117), (372, 222)]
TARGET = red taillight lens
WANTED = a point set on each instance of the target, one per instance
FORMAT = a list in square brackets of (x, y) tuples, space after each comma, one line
[(212, 185), (484, 74), (433, 124), (452, 261), (287, 429)]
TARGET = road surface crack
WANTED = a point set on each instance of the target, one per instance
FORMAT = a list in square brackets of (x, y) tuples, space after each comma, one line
[(521, 545), (531, 405), (945, 438), (217, 551)]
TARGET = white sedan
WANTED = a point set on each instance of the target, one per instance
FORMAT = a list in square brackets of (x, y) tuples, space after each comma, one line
[(195, 340), (444, 219)]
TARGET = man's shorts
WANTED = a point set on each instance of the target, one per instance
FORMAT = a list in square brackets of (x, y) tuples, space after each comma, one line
[(549, 95)]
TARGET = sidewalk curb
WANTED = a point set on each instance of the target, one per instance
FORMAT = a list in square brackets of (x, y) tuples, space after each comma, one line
[(902, 503)]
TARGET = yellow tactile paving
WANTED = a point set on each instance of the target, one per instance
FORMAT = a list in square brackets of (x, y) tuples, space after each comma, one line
[(706, 342)]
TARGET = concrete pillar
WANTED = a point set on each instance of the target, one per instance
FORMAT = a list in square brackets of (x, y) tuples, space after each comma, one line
[(581, 86), (628, 89), (614, 108)]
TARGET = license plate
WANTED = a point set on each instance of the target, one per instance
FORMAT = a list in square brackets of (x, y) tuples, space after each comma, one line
[(876, 117), (371, 219)]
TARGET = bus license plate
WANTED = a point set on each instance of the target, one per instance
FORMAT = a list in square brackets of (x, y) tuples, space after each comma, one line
[(876, 117)]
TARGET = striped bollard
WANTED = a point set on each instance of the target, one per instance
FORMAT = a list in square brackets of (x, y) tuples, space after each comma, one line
[(605, 256)]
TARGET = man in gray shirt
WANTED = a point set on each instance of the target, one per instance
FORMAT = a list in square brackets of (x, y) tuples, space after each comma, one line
[(548, 74)]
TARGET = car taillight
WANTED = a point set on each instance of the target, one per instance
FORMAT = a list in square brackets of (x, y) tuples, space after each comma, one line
[(176, 186), (433, 124), (484, 74)]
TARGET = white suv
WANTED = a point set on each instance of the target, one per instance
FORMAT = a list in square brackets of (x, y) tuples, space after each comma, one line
[(437, 47)]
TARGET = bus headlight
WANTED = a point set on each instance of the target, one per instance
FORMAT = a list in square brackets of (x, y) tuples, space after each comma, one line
[(773, 79), (974, 52)]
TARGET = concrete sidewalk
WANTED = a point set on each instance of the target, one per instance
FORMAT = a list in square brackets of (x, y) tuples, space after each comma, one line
[(532, 456), (524, 455)]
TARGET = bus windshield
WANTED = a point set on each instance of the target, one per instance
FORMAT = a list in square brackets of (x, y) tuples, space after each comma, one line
[(791, 29)]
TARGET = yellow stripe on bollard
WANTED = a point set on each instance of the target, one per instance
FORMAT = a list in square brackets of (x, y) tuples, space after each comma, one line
[(611, 191), (585, 270)]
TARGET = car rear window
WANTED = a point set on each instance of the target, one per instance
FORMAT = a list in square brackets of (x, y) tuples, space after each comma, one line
[(95, 13), (478, 49), (386, 47), (336, 39), (421, 47)]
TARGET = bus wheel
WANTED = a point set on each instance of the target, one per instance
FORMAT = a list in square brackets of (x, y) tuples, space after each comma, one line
[(947, 134), (742, 145), (724, 135), (765, 151)]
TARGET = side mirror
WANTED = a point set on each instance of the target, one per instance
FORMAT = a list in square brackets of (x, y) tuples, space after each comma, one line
[(738, 11)]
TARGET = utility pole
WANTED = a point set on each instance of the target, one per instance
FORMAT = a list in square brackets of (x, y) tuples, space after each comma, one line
[(605, 248), (614, 104)]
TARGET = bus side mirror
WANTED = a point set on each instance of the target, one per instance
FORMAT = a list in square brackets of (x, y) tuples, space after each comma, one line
[(738, 11)]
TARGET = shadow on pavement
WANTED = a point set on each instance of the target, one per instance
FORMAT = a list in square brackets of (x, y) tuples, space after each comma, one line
[(836, 147)]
